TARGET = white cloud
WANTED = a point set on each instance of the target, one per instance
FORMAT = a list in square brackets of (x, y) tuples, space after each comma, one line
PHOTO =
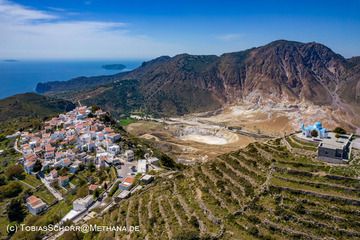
[(32, 33), (16, 12), (229, 37)]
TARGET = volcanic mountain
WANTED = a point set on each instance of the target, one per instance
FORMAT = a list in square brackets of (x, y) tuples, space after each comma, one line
[(280, 72)]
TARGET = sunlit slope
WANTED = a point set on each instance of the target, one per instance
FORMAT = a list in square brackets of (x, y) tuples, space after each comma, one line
[(261, 192)]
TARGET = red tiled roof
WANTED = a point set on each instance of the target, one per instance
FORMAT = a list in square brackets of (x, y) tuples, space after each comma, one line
[(66, 161), (93, 187), (33, 201), (30, 157), (129, 180), (63, 178)]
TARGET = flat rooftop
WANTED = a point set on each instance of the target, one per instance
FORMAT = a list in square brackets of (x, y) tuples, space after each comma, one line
[(330, 142), (124, 194), (70, 215)]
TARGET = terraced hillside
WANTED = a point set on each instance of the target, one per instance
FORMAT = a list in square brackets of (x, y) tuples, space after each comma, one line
[(260, 192)]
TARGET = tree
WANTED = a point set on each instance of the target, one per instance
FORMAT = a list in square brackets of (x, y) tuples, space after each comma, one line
[(15, 211), (253, 231), (63, 172), (314, 133), (96, 193), (94, 108), (37, 166), (81, 167), (339, 130), (82, 192), (107, 119), (2, 137), (91, 167), (13, 189), (2, 180), (168, 162), (14, 171)]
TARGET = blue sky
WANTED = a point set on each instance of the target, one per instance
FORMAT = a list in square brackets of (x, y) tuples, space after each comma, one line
[(143, 29)]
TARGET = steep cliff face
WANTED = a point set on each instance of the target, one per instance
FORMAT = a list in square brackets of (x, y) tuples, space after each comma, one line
[(350, 90), (289, 70), (282, 71), (279, 71)]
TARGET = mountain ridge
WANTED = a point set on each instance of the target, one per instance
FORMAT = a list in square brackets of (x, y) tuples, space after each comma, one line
[(28, 110), (281, 71)]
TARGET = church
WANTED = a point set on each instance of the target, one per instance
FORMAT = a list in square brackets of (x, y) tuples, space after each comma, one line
[(321, 132)]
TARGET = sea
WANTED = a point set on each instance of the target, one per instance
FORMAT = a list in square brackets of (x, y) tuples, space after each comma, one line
[(22, 76)]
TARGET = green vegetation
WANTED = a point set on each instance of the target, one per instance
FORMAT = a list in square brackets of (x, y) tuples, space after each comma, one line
[(16, 210), (28, 111), (297, 143), (114, 188), (10, 190), (339, 130), (314, 133), (115, 100), (32, 180), (126, 121), (261, 192), (15, 171), (52, 216), (15, 187)]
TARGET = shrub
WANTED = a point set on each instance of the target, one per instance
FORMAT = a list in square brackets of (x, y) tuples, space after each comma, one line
[(314, 133), (37, 166), (15, 171), (254, 219), (94, 108), (13, 189), (114, 189), (187, 235), (339, 130), (96, 193), (193, 221), (15, 211), (152, 221), (299, 209), (2, 180), (168, 162), (91, 167), (253, 231)]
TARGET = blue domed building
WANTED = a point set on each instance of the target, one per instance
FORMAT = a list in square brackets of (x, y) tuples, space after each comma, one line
[(306, 131)]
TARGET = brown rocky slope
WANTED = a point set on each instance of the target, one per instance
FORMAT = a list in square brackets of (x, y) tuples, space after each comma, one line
[(282, 71)]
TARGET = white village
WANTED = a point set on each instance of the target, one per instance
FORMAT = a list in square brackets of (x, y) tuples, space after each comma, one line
[(78, 140)]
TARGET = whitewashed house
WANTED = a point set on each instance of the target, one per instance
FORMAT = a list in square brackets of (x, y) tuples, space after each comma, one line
[(129, 155), (113, 149), (35, 205), (81, 204), (142, 166), (113, 137)]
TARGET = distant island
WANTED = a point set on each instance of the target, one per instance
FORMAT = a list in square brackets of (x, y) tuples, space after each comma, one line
[(114, 66), (10, 60)]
